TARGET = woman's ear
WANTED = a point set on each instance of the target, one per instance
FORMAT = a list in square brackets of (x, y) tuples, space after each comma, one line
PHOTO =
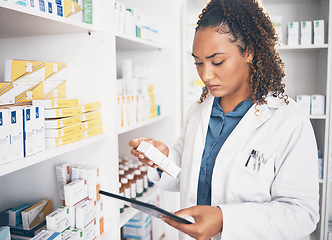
[(250, 54)]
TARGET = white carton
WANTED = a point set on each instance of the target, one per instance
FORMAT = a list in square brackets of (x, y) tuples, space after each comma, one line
[(63, 177), (29, 131), (39, 128), (304, 102), (91, 175), (75, 192), (47, 235), (4, 136), (91, 231), (85, 213), (4, 233), (319, 32), (306, 33), (16, 132), (317, 104), (293, 33), (58, 220), (158, 158)]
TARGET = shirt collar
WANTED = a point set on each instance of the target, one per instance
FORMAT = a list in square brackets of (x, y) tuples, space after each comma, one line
[(238, 111)]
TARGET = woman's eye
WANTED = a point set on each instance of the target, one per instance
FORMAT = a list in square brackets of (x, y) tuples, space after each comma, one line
[(218, 63), (198, 63)]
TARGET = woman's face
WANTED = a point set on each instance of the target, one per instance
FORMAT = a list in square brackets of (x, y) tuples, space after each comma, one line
[(220, 64)]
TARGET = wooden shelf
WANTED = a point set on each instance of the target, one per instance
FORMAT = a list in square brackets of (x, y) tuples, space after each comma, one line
[(21, 21), (129, 212), (124, 43), (142, 124), (49, 153)]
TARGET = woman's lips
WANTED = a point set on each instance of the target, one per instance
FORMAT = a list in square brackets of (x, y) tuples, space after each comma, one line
[(212, 87)]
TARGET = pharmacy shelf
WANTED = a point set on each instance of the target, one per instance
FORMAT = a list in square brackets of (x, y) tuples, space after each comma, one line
[(124, 43), (49, 153), (303, 47), (317, 116), (129, 212), (142, 124), (21, 21)]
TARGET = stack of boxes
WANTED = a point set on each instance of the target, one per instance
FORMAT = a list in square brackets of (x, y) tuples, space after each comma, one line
[(312, 104), (78, 187), (138, 227), (74, 9)]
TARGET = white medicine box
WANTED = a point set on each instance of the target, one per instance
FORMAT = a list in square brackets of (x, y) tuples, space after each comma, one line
[(293, 33), (304, 102), (306, 33), (16, 132), (317, 104), (4, 136), (319, 32)]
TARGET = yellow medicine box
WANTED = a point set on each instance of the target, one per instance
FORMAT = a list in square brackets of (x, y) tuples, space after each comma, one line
[(63, 122), (92, 131), (22, 92), (92, 123), (56, 71), (22, 70), (62, 112), (63, 132), (5, 87), (55, 89), (56, 103), (56, 142), (71, 8), (91, 106), (90, 115)]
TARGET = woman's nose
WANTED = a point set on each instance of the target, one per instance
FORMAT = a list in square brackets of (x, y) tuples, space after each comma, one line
[(207, 73)]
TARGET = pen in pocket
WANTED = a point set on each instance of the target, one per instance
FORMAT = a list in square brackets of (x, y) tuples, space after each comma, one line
[(252, 154)]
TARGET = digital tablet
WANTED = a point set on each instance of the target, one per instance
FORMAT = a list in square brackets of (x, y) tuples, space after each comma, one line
[(146, 208)]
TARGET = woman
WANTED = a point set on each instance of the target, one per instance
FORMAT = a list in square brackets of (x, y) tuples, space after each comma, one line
[(247, 153)]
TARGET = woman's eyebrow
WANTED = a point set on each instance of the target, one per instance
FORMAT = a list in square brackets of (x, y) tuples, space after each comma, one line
[(208, 57)]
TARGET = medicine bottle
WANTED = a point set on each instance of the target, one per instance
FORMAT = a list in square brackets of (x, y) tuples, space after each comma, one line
[(139, 183), (132, 183), (126, 188), (132, 168), (121, 174), (121, 193), (144, 171), (126, 169)]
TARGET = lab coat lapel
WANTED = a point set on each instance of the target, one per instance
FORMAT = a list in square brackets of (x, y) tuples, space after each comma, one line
[(206, 113)]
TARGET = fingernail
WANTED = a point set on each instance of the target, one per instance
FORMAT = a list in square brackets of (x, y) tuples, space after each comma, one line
[(141, 156), (150, 163)]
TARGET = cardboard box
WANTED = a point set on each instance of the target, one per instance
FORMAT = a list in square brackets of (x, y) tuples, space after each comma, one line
[(36, 214), (91, 106), (57, 103), (317, 104), (29, 131), (4, 233), (71, 8), (23, 92), (90, 115), (85, 213), (39, 128), (56, 71), (91, 175), (63, 122), (306, 33), (87, 12), (14, 214), (75, 192), (55, 89), (304, 102), (56, 142), (16, 132), (58, 220), (5, 87), (62, 112), (47, 235), (5, 155), (91, 231), (92, 131), (23, 70), (63, 132), (319, 32), (92, 123), (63, 175), (293, 33), (20, 232), (73, 234)]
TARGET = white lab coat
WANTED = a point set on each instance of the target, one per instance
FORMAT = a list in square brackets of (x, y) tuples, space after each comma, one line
[(278, 202)]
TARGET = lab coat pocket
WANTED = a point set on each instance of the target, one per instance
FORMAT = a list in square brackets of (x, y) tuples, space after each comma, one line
[(252, 177)]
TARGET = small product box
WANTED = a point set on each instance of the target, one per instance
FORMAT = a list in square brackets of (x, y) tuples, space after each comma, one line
[(39, 128), (56, 142), (50, 7), (158, 158), (85, 213), (75, 192), (59, 7), (317, 104), (58, 220), (36, 214), (91, 106), (73, 234), (62, 112), (304, 102), (4, 233), (42, 5), (73, 10), (15, 217), (293, 33), (91, 231), (92, 123), (56, 71), (23, 92), (92, 131), (29, 131), (90, 115), (63, 176), (91, 175), (87, 12), (47, 235), (319, 32), (63, 122), (5, 87), (22, 70), (56, 103), (5, 136), (20, 233), (306, 33), (55, 89), (63, 132), (16, 132)]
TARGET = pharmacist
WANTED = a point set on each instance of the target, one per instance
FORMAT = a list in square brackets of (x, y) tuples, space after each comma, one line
[(247, 152)]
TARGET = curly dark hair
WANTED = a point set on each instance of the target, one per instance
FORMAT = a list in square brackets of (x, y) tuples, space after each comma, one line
[(251, 29)]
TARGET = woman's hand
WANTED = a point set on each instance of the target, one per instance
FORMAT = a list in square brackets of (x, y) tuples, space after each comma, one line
[(208, 221), (141, 157)]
